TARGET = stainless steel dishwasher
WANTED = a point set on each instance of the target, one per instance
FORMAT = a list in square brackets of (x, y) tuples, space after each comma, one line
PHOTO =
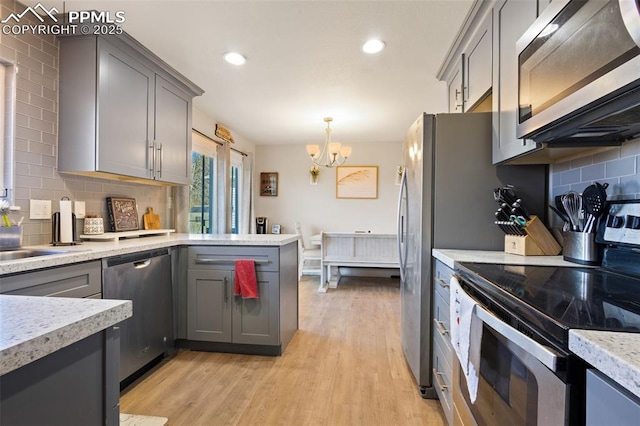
[(145, 279)]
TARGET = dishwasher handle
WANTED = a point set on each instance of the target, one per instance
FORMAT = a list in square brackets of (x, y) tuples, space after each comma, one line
[(142, 264)]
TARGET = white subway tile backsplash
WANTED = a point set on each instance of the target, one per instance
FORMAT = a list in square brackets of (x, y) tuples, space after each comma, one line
[(570, 177), (610, 155)]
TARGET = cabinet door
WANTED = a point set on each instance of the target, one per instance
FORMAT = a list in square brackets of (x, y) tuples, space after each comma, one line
[(125, 114), (172, 133), (478, 66), (511, 19), (256, 321), (455, 90), (209, 299)]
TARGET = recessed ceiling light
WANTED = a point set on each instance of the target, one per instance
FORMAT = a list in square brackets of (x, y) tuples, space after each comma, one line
[(373, 46), (234, 58)]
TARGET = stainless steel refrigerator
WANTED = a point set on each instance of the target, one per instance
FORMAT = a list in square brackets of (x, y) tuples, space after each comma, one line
[(446, 201)]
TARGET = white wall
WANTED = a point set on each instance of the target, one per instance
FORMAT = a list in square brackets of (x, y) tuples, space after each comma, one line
[(316, 207)]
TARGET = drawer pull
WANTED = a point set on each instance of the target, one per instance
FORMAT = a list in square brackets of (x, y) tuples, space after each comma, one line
[(442, 283), (441, 328), (437, 375), (228, 261)]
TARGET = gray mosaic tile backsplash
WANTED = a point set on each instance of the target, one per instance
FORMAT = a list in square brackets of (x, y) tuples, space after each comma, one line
[(619, 167)]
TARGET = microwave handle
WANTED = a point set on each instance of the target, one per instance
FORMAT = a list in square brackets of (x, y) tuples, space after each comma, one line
[(542, 353), (630, 11)]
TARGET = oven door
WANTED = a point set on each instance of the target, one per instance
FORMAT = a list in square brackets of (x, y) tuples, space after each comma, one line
[(574, 54), (516, 383)]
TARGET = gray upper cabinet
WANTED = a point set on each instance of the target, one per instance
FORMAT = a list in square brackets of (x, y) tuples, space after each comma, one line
[(116, 97), (478, 65), (125, 113), (172, 132), (511, 19)]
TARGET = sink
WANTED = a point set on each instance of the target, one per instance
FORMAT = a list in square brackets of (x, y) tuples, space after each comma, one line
[(23, 253)]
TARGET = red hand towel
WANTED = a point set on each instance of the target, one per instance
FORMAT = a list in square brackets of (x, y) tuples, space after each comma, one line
[(246, 283)]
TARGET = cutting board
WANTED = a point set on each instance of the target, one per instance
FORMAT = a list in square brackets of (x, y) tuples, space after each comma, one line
[(151, 220)]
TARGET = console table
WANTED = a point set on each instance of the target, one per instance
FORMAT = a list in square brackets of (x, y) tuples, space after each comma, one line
[(355, 249)]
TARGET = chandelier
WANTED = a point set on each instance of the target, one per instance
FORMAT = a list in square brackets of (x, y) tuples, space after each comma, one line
[(332, 154)]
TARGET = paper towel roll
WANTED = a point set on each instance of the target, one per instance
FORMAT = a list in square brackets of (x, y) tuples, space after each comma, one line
[(66, 222)]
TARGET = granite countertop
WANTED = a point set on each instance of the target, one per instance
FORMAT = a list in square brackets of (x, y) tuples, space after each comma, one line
[(616, 355), (450, 256), (92, 250), (32, 327)]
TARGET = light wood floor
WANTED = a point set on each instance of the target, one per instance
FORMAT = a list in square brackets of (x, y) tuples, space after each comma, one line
[(343, 367)]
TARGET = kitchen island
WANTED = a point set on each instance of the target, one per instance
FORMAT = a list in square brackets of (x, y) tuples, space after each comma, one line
[(63, 354)]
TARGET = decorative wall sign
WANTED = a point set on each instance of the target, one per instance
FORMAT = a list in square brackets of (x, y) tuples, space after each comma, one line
[(123, 214), (223, 133), (269, 184), (357, 182)]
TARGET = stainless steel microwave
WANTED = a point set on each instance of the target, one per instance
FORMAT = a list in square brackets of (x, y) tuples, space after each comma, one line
[(579, 74)]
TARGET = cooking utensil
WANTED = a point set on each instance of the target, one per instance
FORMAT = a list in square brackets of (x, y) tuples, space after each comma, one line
[(572, 202), (518, 220), (565, 219), (594, 198), (151, 220)]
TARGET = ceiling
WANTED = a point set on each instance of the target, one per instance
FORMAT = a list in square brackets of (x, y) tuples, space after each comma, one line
[(304, 61)]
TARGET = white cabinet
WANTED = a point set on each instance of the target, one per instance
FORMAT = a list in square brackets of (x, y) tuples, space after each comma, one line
[(124, 113), (478, 65), (511, 19)]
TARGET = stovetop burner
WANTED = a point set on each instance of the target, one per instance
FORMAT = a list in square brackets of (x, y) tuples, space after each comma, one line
[(573, 297)]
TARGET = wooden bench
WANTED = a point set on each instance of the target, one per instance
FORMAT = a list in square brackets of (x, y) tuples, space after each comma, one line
[(354, 249)]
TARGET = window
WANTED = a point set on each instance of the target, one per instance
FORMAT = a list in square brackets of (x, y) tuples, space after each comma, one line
[(202, 194), (236, 191)]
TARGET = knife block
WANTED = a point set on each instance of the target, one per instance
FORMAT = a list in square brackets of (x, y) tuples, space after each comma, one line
[(537, 242)]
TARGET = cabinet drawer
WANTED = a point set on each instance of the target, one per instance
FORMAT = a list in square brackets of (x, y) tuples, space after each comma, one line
[(441, 277), (441, 314), (442, 345), (443, 379), (79, 280), (224, 257)]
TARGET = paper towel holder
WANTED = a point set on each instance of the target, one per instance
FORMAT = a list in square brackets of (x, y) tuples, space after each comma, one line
[(55, 229)]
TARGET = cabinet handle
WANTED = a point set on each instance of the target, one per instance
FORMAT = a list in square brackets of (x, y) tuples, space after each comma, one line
[(442, 283), (206, 261), (441, 328), (226, 291), (437, 375), (152, 158), (160, 158)]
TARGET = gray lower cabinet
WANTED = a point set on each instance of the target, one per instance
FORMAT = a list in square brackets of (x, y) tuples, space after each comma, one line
[(608, 403), (216, 319), (77, 280), (76, 385), (115, 97), (216, 315), (443, 356)]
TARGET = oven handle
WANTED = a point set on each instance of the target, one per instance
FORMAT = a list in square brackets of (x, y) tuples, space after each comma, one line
[(542, 353)]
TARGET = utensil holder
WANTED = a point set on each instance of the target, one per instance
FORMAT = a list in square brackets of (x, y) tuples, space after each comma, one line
[(10, 237), (581, 247), (537, 242)]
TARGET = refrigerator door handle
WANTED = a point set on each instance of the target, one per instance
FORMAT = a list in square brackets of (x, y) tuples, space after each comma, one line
[(402, 244)]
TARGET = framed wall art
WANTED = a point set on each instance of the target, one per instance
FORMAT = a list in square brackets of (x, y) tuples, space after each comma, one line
[(269, 184), (357, 182)]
